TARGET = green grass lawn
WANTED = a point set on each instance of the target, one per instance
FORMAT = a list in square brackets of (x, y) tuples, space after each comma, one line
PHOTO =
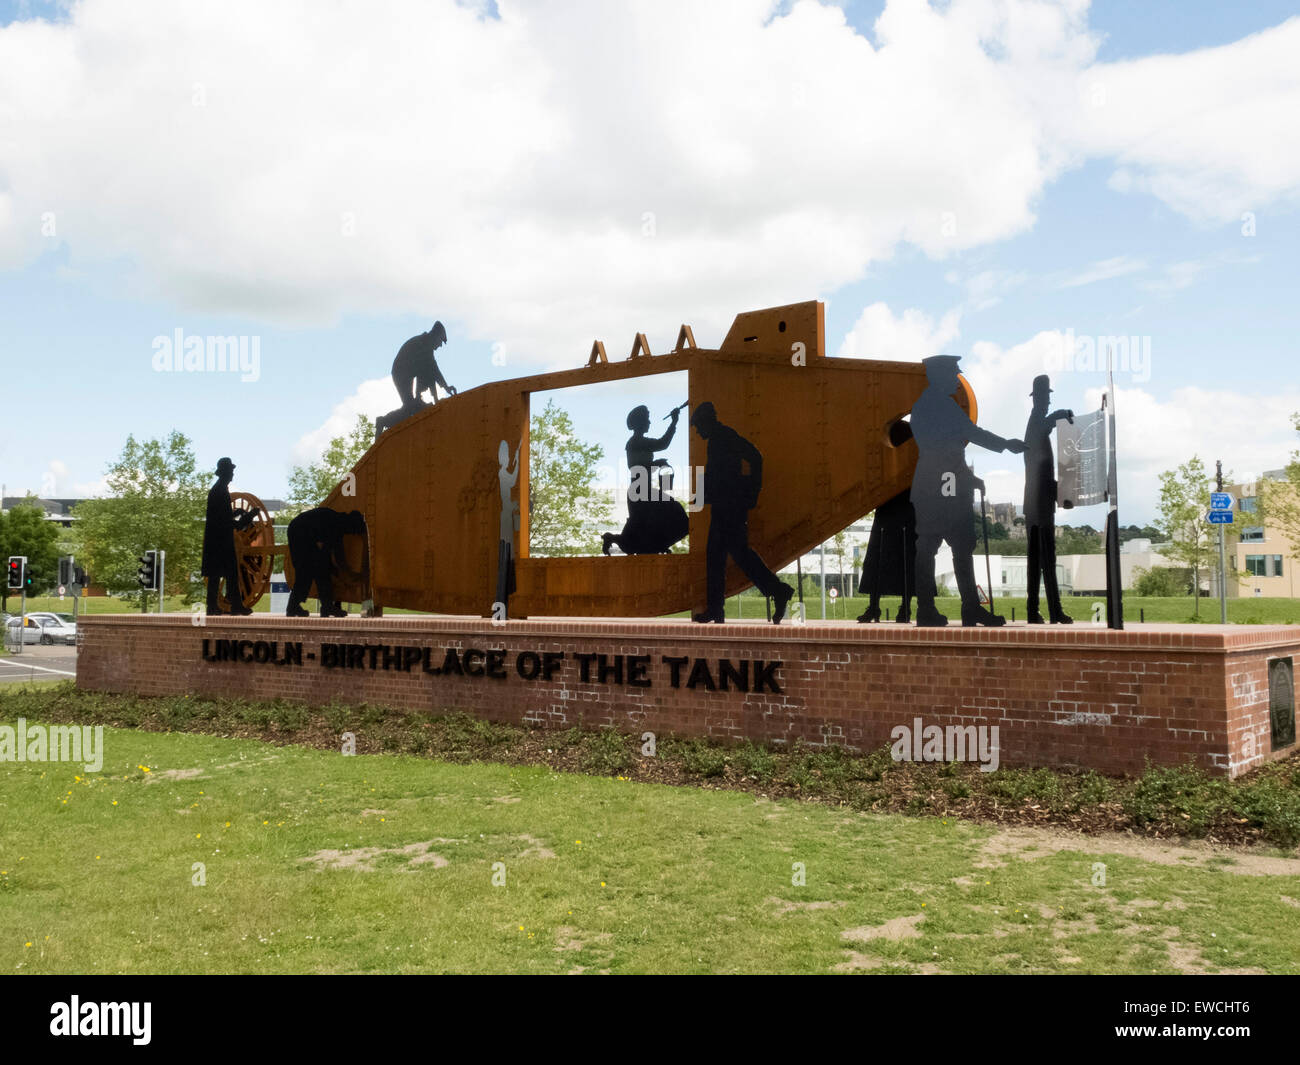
[(321, 863), (750, 606)]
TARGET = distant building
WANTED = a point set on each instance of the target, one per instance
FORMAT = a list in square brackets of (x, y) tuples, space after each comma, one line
[(1262, 552)]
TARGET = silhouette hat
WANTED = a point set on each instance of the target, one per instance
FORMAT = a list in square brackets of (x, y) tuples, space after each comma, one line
[(225, 464), (439, 332), (940, 362), (1042, 383), (704, 414)]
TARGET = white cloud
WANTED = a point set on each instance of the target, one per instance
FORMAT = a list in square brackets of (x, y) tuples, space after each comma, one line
[(1103, 270), (880, 334), (544, 177), (371, 398), (1211, 133)]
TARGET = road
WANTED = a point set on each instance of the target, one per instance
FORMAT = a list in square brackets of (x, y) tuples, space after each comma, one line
[(39, 663)]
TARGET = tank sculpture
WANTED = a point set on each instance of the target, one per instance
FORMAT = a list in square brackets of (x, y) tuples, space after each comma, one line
[(430, 486)]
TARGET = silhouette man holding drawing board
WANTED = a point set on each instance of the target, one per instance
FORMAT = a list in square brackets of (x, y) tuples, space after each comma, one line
[(731, 494), (943, 491), (1040, 503)]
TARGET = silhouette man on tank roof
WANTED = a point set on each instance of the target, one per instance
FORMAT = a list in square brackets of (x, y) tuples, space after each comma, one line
[(943, 491), (220, 562), (731, 494), (1040, 502), (415, 371)]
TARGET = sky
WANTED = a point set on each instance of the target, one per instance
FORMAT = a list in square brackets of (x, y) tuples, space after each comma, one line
[(1004, 181)]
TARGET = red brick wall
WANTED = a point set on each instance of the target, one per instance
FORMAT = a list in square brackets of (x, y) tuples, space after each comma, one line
[(1081, 696)]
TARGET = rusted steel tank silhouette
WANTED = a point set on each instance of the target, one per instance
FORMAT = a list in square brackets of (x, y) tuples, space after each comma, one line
[(827, 427)]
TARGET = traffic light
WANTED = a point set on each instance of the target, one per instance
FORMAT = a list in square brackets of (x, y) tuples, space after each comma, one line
[(148, 572), (65, 571), (29, 581), (17, 570)]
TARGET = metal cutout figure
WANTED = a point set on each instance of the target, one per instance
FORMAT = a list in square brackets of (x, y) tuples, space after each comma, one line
[(890, 565), (1040, 503), (506, 479), (220, 562), (415, 371), (655, 521), (943, 491), (731, 494), (316, 548)]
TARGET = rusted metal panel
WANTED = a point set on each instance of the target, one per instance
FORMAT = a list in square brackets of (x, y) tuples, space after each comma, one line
[(430, 493)]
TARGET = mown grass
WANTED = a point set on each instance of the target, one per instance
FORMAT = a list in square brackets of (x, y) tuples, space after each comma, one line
[(101, 873), (1184, 801)]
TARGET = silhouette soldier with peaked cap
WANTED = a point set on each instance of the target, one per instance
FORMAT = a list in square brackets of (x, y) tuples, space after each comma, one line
[(316, 547), (1040, 503), (731, 494), (943, 491), (655, 521), (220, 562)]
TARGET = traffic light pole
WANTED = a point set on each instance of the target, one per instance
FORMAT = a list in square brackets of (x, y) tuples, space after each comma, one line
[(162, 569), (22, 629)]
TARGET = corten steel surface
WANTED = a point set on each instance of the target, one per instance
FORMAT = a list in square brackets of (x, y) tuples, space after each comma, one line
[(429, 488)]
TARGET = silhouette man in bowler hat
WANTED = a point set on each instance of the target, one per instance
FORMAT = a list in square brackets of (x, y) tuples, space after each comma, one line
[(316, 547), (943, 491), (731, 494), (220, 562), (1040, 503)]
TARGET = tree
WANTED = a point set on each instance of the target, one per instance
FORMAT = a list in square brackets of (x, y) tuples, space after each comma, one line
[(24, 531), (157, 500), (566, 511), (1184, 500), (1280, 499), (309, 485), (1161, 581)]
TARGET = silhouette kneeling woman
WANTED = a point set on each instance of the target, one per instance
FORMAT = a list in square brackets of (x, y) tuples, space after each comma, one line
[(655, 521)]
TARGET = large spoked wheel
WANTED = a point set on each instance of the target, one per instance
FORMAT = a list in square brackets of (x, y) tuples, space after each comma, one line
[(252, 548)]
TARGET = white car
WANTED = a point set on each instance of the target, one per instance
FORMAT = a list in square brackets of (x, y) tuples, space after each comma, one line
[(41, 628)]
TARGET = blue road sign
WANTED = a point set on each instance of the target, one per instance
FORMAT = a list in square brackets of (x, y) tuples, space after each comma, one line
[(1220, 501), (1219, 517)]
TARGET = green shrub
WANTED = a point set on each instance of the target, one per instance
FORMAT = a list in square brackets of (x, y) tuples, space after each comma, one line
[(605, 751)]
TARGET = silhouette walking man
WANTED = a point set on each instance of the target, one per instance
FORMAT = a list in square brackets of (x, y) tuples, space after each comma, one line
[(220, 562), (943, 491), (731, 494), (316, 547), (1040, 503)]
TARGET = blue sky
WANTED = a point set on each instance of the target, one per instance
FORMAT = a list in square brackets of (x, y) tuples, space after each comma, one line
[(506, 205)]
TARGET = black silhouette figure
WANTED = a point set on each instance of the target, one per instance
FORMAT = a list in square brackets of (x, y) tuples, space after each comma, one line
[(1040, 503), (506, 478), (415, 371), (219, 562), (316, 547), (890, 565), (731, 494), (655, 521), (943, 491)]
